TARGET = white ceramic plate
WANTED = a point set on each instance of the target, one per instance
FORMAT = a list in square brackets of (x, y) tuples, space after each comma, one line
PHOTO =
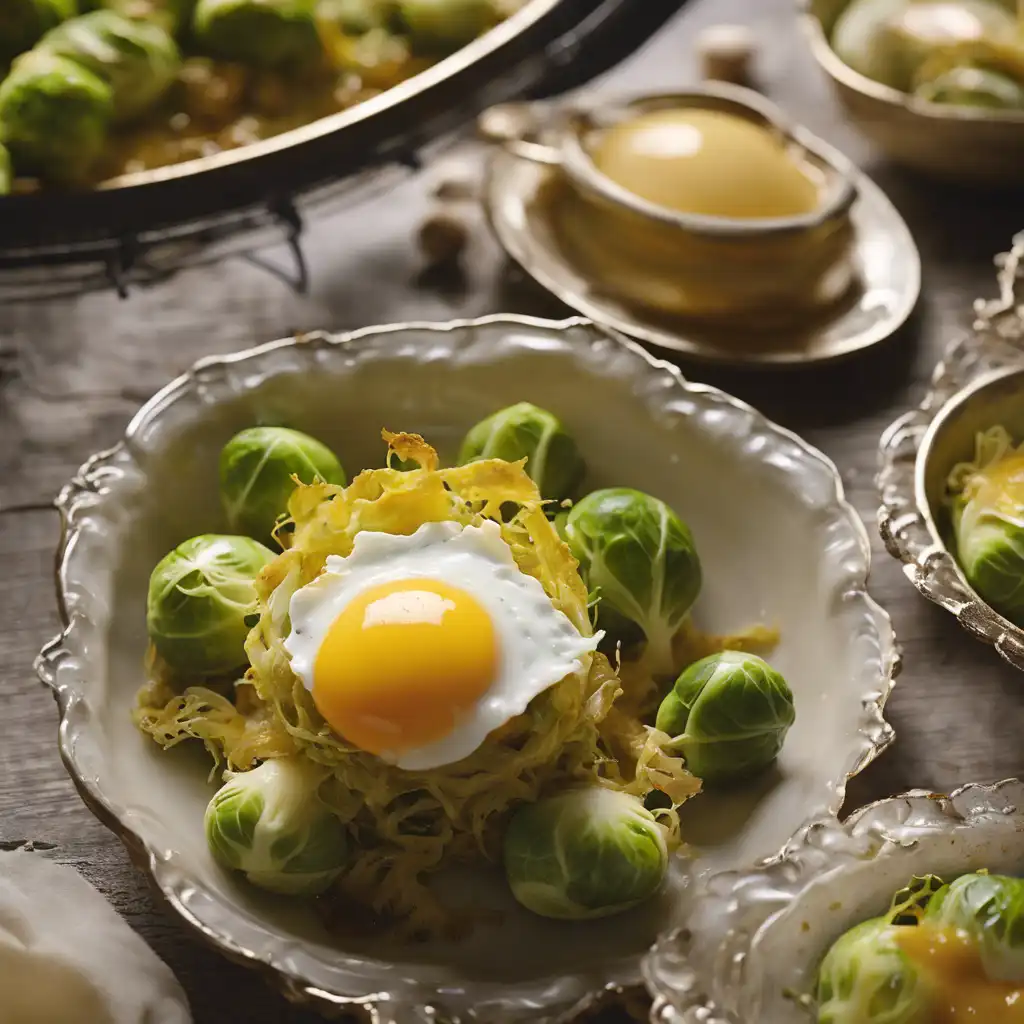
[(778, 542), (752, 939)]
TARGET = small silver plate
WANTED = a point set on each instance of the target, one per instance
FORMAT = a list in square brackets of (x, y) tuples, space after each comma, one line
[(518, 195)]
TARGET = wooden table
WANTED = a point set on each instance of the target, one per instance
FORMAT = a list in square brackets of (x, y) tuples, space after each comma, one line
[(72, 373)]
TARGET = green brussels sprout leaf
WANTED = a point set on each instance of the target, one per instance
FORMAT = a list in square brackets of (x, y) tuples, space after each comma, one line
[(138, 59), (270, 824), (973, 87), (261, 33), (257, 467), (990, 908), (200, 596), (640, 558), (584, 853), (174, 16), (54, 116), (865, 978), (352, 17), (728, 715), (524, 431), (443, 26)]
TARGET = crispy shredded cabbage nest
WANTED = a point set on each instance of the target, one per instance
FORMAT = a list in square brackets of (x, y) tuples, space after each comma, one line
[(587, 728)]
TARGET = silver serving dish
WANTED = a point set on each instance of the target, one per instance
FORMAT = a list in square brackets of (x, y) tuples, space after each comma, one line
[(779, 542), (138, 228), (751, 942), (542, 193), (980, 382)]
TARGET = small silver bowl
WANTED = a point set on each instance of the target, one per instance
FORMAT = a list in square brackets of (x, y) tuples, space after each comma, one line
[(751, 942), (728, 270), (566, 146), (960, 144), (979, 384)]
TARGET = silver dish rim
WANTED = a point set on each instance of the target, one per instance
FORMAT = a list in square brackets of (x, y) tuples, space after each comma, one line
[(991, 350), (749, 902), (568, 150), (77, 497)]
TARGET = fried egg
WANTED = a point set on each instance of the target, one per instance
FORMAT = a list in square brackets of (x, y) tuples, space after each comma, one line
[(415, 648)]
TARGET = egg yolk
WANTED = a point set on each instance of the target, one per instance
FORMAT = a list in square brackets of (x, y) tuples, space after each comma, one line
[(402, 663), (949, 961), (705, 162)]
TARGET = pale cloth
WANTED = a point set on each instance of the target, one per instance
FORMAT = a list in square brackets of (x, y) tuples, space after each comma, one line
[(67, 957)]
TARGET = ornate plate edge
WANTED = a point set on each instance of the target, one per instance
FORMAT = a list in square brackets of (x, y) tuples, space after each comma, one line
[(73, 504), (748, 902), (994, 344)]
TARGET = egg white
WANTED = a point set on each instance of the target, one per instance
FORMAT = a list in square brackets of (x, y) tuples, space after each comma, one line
[(538, 645)]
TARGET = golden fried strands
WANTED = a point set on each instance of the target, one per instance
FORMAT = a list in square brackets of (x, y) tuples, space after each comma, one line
[(409, 823)]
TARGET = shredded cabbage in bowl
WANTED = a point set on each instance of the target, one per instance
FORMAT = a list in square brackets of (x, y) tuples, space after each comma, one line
[(587, 728)]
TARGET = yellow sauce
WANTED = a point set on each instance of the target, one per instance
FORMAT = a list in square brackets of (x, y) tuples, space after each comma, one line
[(1001, 486), (949, 962), (706, 162)]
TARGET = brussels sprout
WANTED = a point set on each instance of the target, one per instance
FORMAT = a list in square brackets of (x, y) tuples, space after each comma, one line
[(584, 853), (639, 556), (271, 824), (856, 38), (54, 116), (865, 978), (728, 714), (888, 40), (973, 87), (353, 17), (174, 16), (446, 25), (990, 908), (987, 503), (137, 59), (200, 596), (6, 172), (256, 470), (525, 432), (23, 22), (261, 33)]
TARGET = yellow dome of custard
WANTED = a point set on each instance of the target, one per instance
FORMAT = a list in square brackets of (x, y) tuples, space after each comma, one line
[(705, 162)]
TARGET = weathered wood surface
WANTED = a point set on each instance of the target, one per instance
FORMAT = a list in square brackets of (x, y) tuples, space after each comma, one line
[(72, 373)]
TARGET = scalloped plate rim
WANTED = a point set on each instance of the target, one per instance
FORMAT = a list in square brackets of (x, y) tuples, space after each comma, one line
[(961, 808), (968, 608)]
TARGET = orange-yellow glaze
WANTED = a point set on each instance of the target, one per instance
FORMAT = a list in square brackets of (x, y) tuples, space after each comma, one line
[(949, 963), (1001, 486), (402, 663)]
